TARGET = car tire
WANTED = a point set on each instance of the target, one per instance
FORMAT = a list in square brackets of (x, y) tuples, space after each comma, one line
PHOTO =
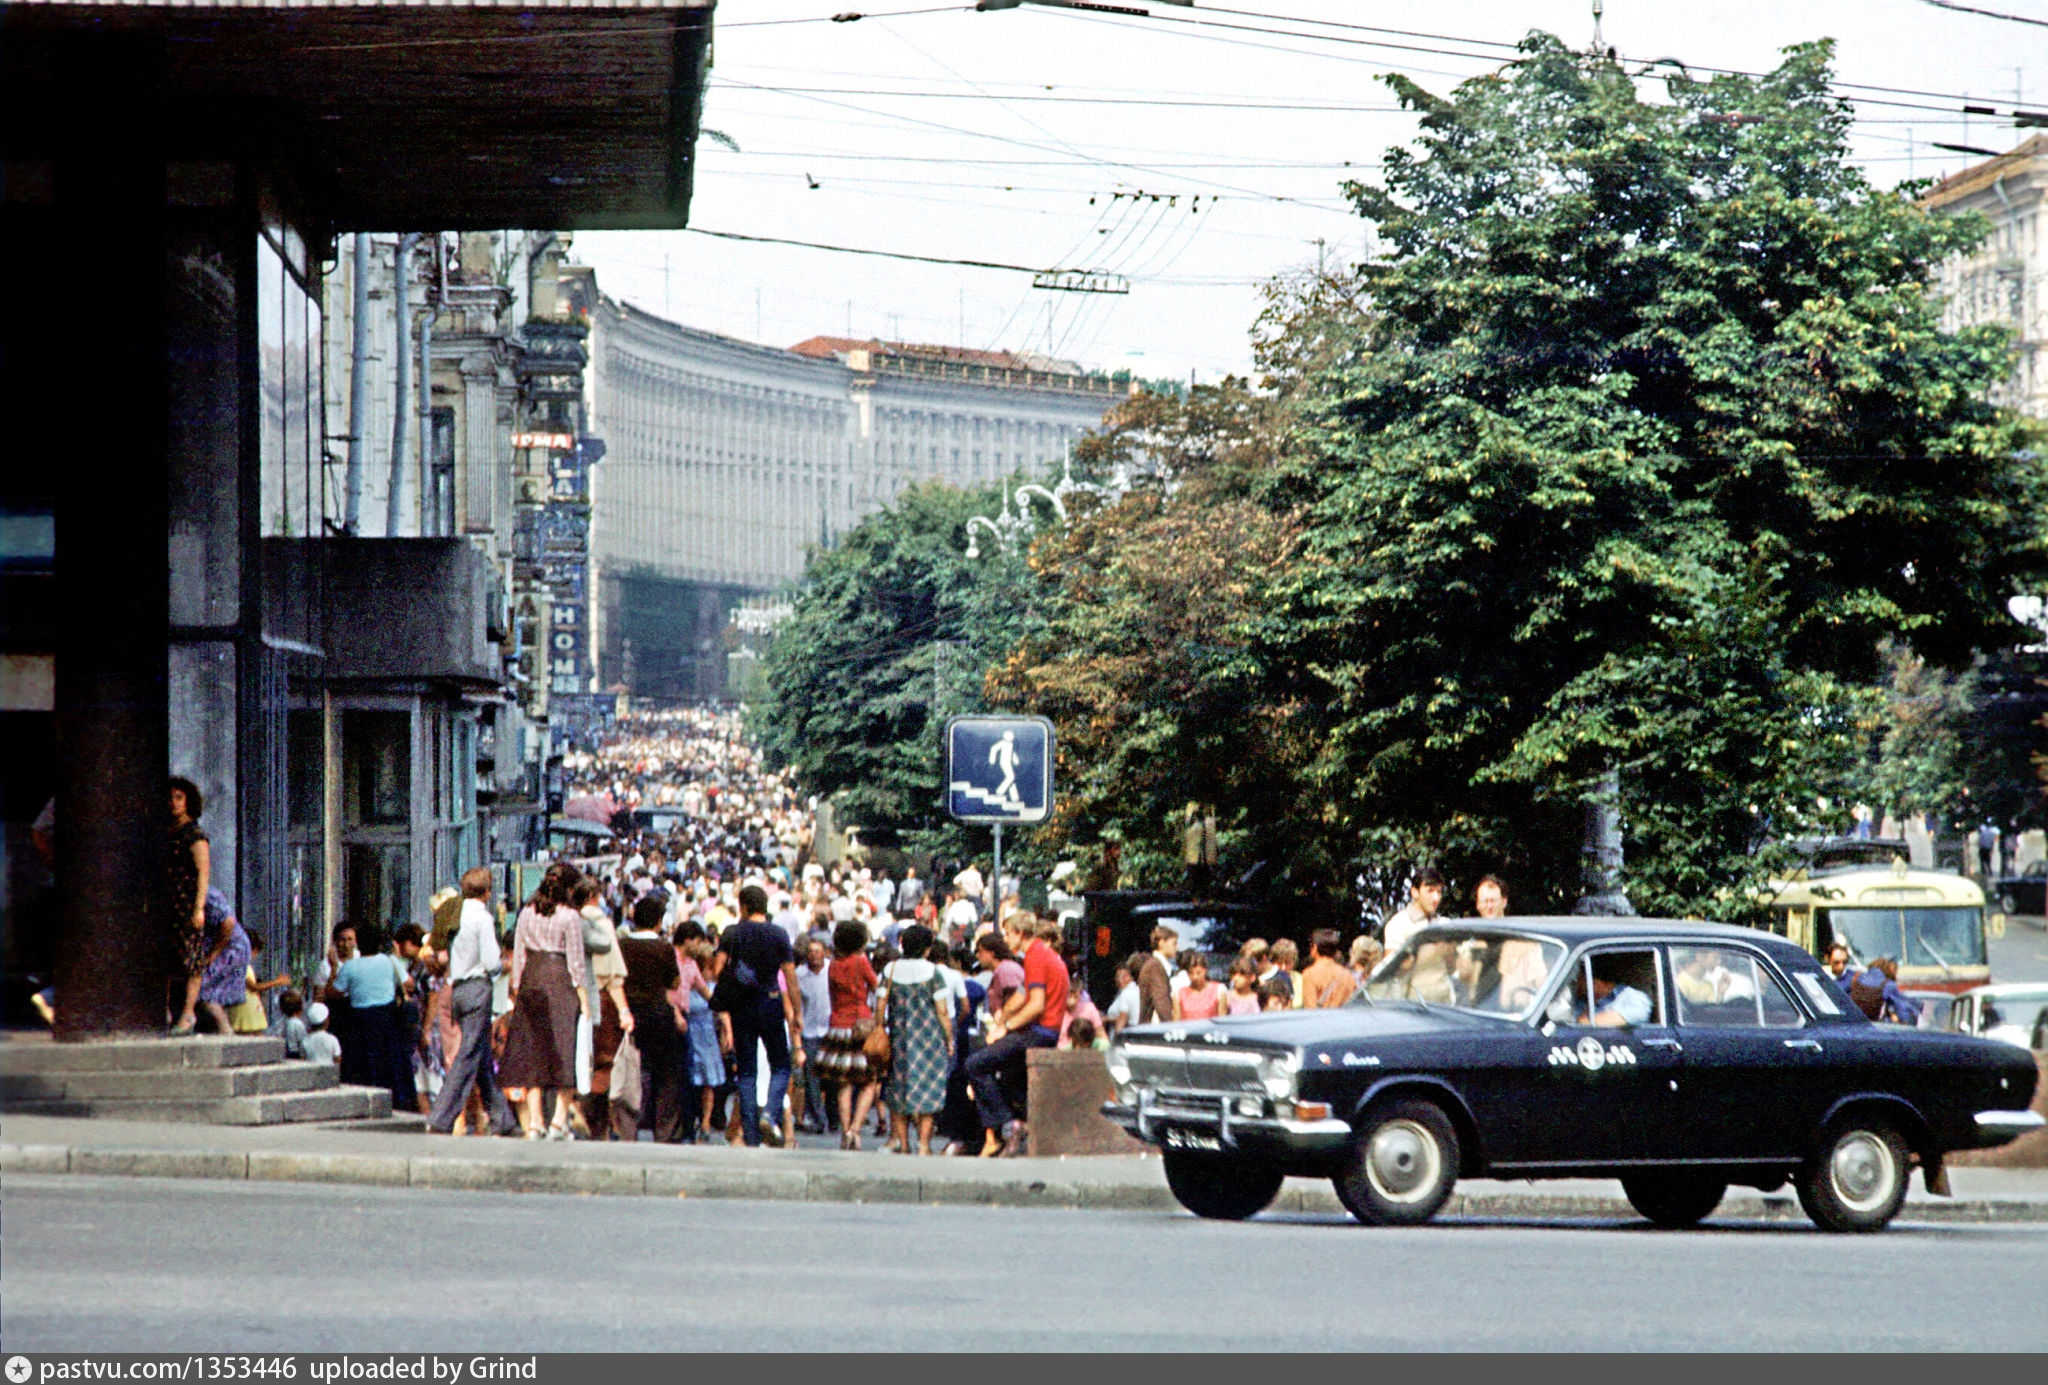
[(1401, 1166), (2008, 905), (1674, 1201), (1218, 1188), (1858, 1180)]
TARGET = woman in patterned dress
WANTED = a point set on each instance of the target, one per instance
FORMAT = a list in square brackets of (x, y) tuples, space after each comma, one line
[(920, 1040), (190, 869)]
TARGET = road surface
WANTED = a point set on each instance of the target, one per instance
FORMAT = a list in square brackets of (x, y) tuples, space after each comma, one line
[(137, 1264)]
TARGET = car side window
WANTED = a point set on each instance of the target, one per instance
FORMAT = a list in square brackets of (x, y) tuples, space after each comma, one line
[(1614, 987), (1723, 988)]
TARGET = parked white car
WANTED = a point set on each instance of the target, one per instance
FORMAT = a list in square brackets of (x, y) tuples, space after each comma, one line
[(2010, 1012)]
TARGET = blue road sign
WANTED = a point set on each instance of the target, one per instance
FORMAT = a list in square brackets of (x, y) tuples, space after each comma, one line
[(999, 769)]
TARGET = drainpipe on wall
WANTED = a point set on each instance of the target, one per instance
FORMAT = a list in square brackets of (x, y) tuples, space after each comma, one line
[(358, 391), (401, 317), (428, 524)]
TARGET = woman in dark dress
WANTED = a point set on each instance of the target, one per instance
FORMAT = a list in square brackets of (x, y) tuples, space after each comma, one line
[(547, 998), (190, 870)]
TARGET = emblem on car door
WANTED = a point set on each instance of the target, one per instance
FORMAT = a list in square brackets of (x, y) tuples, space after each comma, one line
[(1592, 1055)]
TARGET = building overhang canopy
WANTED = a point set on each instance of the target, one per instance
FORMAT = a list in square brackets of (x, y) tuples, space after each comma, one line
[(444, 114)]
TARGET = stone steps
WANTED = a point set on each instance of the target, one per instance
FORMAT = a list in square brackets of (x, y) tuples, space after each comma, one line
[(208, 1080), (167, 1084), (334, 1103)]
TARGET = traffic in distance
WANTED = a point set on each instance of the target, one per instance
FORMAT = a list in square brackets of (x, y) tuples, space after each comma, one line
[(1681, 1058)]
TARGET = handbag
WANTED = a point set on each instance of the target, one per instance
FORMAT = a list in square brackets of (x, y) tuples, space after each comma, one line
[(875, 1043)]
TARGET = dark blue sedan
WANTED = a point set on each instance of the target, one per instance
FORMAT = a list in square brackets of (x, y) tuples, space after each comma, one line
[(1680, 1058)]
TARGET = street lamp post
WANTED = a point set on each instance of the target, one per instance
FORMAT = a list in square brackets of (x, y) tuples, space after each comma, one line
[(1018, 521), (1601, 870)]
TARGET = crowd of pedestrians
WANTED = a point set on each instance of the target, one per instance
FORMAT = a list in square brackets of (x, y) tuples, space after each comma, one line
[(711, 978)]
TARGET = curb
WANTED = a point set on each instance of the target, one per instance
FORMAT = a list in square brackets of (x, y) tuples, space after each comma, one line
[(798, 1185), (602, 1179)]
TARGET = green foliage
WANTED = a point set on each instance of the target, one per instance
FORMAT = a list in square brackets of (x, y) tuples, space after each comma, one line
[(1137, 653), (892, 617), (1650, 436)]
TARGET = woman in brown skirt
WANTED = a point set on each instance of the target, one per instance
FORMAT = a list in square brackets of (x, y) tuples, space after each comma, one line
[(547, 999)]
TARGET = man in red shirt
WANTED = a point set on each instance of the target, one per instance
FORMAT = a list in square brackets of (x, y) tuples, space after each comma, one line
[(1031, 1019)]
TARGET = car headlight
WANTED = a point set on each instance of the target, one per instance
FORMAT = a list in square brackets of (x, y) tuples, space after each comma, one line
[(1276, 1075), (1119, 1065)]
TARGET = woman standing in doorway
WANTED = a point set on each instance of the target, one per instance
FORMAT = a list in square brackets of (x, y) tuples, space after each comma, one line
[(546, 983), (191, 872)]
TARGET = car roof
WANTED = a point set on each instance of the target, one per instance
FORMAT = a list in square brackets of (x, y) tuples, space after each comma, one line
[(1572, 929), (1999, 988)]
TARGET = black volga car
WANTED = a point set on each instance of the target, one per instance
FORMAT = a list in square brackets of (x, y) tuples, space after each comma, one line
[(1678, 1057)]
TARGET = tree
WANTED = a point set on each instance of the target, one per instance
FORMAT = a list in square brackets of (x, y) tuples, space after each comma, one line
[(888, 638), (1136, 651), (1650, 436)]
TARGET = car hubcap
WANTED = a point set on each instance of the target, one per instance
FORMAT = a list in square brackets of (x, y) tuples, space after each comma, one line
[(1863, 1171), (1402, 1161)]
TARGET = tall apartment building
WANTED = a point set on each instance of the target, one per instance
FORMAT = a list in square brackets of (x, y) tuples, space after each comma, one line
[(727, 461), (2006, 279)]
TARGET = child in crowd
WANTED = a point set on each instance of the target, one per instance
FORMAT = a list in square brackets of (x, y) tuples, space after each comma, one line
[(250, 1017), (1082, 1033), (291, 1024), (1244, 988), (1276, 992), (321, 1046)]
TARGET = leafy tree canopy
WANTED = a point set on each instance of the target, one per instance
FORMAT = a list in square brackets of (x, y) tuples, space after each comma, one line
[(889, 637), (1648, 438)]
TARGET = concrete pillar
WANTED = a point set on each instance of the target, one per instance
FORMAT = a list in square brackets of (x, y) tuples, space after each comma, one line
[(108, 346)]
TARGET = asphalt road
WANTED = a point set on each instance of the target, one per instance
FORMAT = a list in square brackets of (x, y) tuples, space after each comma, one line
[(2022, 954), (134, 1264)]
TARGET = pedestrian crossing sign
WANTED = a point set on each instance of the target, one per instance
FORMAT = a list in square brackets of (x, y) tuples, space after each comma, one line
[(999, 769)]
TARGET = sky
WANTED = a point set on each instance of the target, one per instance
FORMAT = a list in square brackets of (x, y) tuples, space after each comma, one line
[(1195, 160)]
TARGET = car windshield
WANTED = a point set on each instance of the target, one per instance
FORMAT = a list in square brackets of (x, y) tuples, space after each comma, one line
[(2020, 1011), (1913, 937), (1486, 971)]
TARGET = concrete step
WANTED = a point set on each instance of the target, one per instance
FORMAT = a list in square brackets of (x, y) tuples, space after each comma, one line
[(28, 1054), (167, 1084), (335, 1103)]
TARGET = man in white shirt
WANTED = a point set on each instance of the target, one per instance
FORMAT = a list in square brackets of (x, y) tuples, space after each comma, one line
[(1423, 898), (960, 917), (473, 962), (969, 882)]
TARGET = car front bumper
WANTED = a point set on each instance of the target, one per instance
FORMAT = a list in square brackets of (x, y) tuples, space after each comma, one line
[(1996, 1128), (1211, 1121)]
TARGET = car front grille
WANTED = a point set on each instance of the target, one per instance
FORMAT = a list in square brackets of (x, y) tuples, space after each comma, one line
[(1194, 1069)]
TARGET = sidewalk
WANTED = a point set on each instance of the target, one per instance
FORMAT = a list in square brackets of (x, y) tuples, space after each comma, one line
[(319, 1154)]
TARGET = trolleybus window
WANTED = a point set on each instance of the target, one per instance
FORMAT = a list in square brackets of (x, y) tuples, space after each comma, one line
[(1914, 937)]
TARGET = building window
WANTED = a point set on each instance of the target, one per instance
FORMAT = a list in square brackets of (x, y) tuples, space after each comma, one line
[(377, 751), (441, 473)]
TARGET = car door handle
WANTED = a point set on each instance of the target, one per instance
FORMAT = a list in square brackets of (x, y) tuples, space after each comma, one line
[(1672, 1044), (1813, 1044)]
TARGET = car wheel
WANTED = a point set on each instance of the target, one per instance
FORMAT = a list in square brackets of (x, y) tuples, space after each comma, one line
[(2007, 904), (1858, 1181), (1401, 1165), (1674, 1201), (1218, 1188)]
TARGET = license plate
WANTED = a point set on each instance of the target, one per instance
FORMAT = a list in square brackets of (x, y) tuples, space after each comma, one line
[(1176, 1138)]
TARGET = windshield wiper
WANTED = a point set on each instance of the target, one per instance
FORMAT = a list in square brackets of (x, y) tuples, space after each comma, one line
[(1939, 960)]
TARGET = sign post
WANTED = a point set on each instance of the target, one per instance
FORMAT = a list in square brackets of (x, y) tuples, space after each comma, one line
[(999, 771)]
